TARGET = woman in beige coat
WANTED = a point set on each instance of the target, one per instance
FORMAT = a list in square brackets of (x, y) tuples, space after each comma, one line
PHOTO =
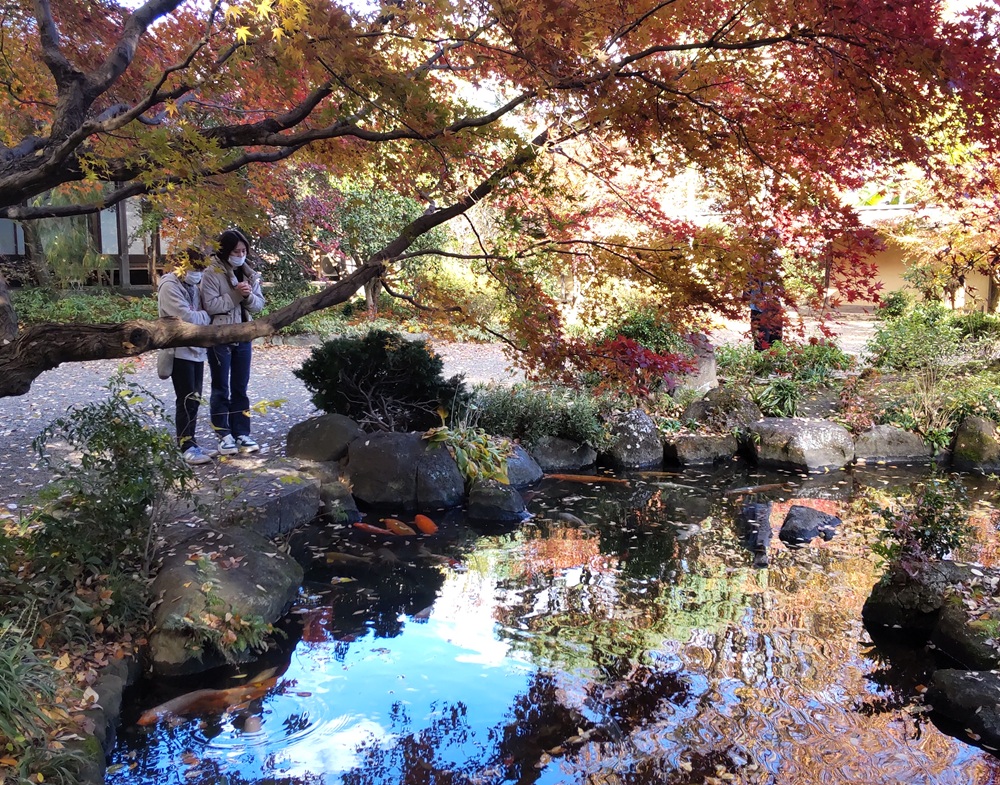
[(231, 294)]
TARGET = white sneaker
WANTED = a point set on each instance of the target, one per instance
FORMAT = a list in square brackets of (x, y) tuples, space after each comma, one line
[(227, 445), (195, 456), (246, 444)]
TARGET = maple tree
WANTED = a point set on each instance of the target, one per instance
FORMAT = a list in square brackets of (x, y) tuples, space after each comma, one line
[(776, 105)]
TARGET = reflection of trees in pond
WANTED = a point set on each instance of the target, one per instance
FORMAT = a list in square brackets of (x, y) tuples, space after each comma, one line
[(374, 601)]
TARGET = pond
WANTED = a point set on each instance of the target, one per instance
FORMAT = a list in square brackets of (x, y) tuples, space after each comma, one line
[(621, 635)]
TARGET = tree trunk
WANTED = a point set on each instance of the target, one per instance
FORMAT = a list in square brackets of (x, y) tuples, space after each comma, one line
[(372, 290), (36, 254), (8, 317)]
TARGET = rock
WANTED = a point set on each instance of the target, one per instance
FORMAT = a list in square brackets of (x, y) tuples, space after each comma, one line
[(889, 443), (977, 446), (705, 377), (237, 571), (804, 445), (336, 504), (493, 501), (555, 454), (912, 603), (636, 442), (274, 500), (724, 409), (969, 698), (322, 438), (699, 449), (803, 524), (522, 469), (754, 522), (966, 640), (402, 470)]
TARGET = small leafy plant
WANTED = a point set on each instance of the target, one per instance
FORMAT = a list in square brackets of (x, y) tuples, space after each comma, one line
[(930, 525), (779, 397), (478, 455)]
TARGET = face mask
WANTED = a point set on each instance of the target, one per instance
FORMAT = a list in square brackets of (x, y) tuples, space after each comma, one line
[(237, 261), (193, 277)]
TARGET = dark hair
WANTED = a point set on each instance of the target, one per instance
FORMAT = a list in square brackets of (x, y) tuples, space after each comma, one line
[(190, 257), (228, 241)]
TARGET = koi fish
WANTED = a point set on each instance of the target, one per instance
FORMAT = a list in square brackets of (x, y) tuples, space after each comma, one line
[(585, 478), (425, 524), (398, 528), (749, 489), (208, 701), (367, 527)]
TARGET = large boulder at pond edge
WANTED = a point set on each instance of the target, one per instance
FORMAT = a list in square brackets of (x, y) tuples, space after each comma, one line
[(495, 502), (804, 524), (635, 441), (891, 444), (233, 571), (970, 699), (699, 449), (269, 496), (555, 454), (900, 601), (977, 446), (723, 409), (403, 470), (522, 469), (800, 444), (970, 637), (322, 438)]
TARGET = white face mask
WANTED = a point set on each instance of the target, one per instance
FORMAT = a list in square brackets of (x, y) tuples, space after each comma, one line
[(194, 276), (237, 261)]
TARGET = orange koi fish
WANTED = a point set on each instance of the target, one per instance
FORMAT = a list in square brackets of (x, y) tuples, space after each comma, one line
[(425, 524), (585, 478), (398, 527), (202, 702)]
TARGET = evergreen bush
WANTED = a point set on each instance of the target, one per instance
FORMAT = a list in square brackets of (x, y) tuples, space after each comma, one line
[(381, 380)]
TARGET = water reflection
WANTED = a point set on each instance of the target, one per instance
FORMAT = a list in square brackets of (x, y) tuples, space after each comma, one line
[(622, 635)]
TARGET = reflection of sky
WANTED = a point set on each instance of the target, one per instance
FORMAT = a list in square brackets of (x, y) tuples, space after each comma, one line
[(373, 691)]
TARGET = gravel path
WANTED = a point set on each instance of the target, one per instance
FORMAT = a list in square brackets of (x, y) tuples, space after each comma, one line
[(23, 417)]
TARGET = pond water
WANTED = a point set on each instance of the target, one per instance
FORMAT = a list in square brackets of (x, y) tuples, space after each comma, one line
[(621, 635)]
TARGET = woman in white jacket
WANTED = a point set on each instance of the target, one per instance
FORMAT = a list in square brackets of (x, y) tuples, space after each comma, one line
[(231, 294), (179, 295)]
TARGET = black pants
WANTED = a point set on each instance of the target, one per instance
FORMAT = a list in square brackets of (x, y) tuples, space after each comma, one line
[(187, 378)]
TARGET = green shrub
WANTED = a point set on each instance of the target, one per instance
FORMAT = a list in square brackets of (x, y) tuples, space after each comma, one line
[(976, 325), (381, 380), (810, 364), (648, 328), (100, 511), (931, 524), (37, 305), (919, 338), (528, 413), (894, 305)]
